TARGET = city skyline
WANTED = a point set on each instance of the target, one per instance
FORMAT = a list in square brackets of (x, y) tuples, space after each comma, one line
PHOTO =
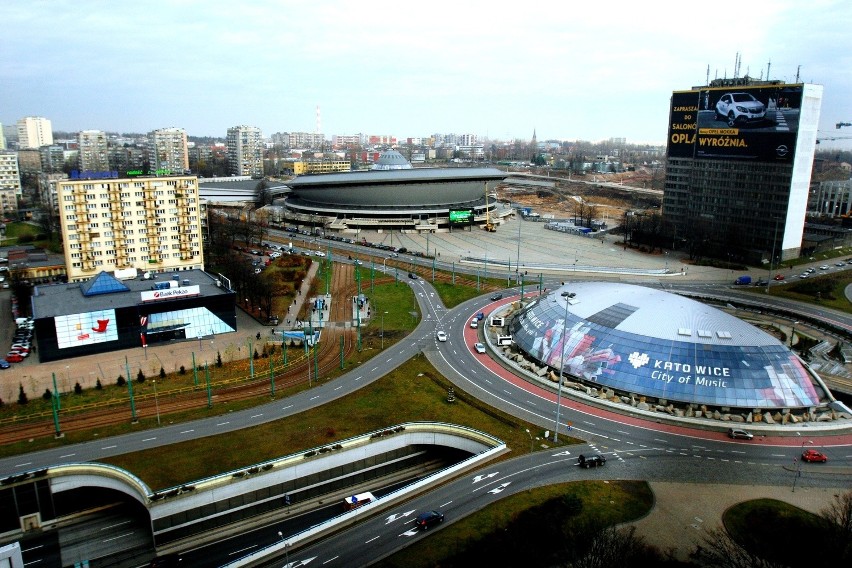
[(570, 73)]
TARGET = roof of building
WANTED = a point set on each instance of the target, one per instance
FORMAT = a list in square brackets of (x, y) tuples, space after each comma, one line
[(649, 342), (396, 176), (64, 299)]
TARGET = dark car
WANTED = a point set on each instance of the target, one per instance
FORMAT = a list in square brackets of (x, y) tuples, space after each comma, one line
[(429, 518), (412, 276), (591, 461), (738, 433), (495, 297)]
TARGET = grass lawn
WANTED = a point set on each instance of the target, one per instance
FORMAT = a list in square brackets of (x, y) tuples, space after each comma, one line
[(413, 392), (533, 528), (776, 531), (822, 288)]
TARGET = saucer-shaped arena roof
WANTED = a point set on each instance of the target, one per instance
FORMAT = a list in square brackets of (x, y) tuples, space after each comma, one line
[(648, 342)]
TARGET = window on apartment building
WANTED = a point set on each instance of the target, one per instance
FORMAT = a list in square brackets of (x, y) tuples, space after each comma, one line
[(88, 186), (76, 264), (70, 217), (131, 249), (144, 257), (99, 263), (74, 246), (68, 198), (69, 208), (75, 255), (104, 196)]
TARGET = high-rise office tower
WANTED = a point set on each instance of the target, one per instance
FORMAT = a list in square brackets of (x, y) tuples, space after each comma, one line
[(738, 168)]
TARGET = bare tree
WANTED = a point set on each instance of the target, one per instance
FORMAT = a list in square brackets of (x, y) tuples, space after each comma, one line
[(838, 516), (720, 550), (618, 547)]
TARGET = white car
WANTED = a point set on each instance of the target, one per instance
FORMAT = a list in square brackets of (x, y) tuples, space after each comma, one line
[(739, 108), (319, 253), (824, 267), (474, 323), (441, 336), (480, 348)]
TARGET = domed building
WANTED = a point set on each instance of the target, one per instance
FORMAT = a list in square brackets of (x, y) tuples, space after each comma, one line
[(667, 348), (394, 196)]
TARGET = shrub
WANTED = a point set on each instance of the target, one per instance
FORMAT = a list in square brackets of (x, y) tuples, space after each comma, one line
[(120, 381), (140, 376), (218, 359), (47, 394), (98, 385), (182, 370), (162, 373), (78, 389), (22, 396)]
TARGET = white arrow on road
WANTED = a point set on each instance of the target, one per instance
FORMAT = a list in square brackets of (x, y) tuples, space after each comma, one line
[(394, 517), (411, 532), (304, 562), (565, 453), (479, 478), (500, 488)]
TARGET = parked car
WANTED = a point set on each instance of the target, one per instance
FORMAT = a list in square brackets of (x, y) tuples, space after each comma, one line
[(480, 347), (14, 357), (4, 364), (428, 519), (596, 460), (739, 434), (474, 323), (814, 456), (739, 108), (441, 336)]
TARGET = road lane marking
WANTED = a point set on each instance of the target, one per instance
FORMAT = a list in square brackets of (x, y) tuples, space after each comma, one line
[(257, 415), (330, 559), (223, 423), (67, 456), (24, 464), (371, 540), (187, 431), (242, 550), (115, 525), (109, 447), (149, 439), (117, 537)]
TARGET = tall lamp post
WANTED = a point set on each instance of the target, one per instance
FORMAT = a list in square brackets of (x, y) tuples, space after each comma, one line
[(565, 296), (383, 330), (156, 401), (799, 464)]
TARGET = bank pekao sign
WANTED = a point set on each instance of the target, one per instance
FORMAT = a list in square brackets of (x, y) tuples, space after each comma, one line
[(170, 293)]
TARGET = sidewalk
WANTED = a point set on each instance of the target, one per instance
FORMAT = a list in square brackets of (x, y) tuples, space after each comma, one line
[(684, 513), (86, 370)]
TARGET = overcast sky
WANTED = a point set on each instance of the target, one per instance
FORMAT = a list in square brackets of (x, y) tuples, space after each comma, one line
[(568, 70)]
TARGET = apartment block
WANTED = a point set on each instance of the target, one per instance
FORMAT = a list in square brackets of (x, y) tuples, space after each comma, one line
[(10, 184), (148, 223), (167, 148), (34, 132), (93, 151), (245, 151)]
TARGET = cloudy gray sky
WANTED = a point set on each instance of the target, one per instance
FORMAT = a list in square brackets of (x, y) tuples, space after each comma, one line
[(569, 70)]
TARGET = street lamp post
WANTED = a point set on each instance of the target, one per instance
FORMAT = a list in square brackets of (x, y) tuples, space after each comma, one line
[(531, 440), (792, 333), (156, 401), (565, 296), (799, 463), (383, 330)]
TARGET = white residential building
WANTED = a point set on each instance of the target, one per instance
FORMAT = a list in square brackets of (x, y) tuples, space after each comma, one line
[(245, 151), (10, 184), (149, 223), (168, 151), (93, 151), (34, 132)]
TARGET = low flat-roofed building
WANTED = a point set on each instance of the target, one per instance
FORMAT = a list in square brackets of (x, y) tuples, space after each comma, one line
[(107, 314)]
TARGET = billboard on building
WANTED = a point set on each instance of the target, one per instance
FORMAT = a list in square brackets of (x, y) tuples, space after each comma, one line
[(85, 329), (461, 216), (738, 122)]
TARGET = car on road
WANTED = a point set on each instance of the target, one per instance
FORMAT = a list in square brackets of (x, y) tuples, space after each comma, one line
[(814, 456), (319, 253), (441, 336), (779, 277), (480, 347), (495, 297), (739, 108), (428, 519), (412, 276), (474, 323), (739, 434), (596, 460), (824, 267)]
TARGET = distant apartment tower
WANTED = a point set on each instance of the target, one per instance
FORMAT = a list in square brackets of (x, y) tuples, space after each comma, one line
[(168, 151), (149, 223), (2, 138), (245, 151), (93, 151), (34, 132), (10, 184), (738, 168)]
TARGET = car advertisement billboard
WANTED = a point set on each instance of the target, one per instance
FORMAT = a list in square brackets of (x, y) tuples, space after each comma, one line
[(461, 216), (736, 122), (85, 329)]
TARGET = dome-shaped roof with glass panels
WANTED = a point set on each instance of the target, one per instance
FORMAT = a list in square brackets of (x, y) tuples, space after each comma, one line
[(651, 343), (391, 160)]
